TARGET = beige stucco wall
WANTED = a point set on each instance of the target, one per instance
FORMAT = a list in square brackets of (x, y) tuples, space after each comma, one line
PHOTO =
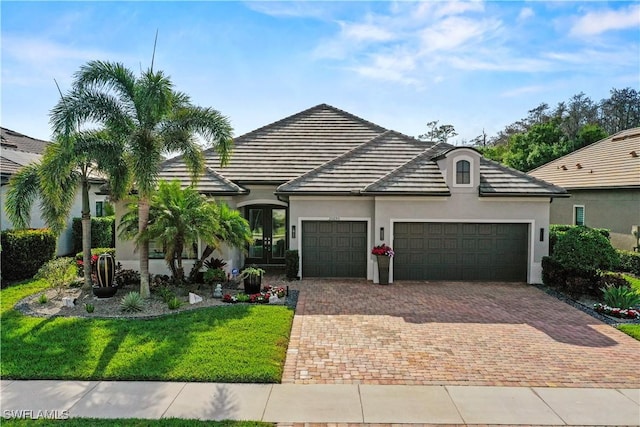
[(616, 210), (64, 245), (461, 206)]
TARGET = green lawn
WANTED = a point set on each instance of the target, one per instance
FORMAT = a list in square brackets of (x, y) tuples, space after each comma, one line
[(235, 343), (634, 281), (631, 329), (94, 422)]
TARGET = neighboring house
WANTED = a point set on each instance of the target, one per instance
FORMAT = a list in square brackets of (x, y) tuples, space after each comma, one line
[(18, 150), (603, 180), (333, 185)]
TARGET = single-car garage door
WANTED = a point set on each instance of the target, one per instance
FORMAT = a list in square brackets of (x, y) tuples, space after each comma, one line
[(460, 251), (334, 249)]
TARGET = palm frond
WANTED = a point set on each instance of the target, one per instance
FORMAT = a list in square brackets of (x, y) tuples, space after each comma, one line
[(24, 188)]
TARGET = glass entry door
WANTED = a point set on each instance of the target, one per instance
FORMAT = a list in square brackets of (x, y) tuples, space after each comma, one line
[(269, 229)]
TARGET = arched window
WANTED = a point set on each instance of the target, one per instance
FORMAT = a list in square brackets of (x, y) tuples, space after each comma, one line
[(463, 172)]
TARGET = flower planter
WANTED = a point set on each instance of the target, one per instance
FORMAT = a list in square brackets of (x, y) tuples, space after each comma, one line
[(104, 291), (252, 284), (383, 269)]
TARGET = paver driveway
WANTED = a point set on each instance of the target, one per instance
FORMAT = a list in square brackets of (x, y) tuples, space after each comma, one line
[(350, 331)]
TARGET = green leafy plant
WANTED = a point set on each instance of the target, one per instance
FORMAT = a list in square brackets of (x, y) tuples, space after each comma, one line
[(25, 251), (174, 303), (214, 275), (242, 297), (251, 271), (629, 261), (42, 299), (89, 307), (132, 302), (166, 294), (585, 249), (292, 263), (59, 273), (620, 297), (214, 263), (125, 277)]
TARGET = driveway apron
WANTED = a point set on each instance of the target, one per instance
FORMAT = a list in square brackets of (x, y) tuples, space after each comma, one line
[(452, 333)]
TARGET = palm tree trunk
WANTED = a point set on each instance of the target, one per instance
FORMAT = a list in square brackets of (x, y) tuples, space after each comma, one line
[(143, 246), (86, 234)]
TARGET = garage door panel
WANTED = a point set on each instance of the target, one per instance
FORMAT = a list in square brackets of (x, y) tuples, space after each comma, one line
[(461, 251), (334, 249)]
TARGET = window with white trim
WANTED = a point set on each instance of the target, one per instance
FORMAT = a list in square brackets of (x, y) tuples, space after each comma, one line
[(463, 172), (578, 215)]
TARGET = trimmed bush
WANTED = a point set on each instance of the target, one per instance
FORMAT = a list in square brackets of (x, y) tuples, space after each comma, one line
[(59, 273), (629, 262), (557, 230), (102, 232), (25, 251), (608, 280), (585, 250), (292, 263)]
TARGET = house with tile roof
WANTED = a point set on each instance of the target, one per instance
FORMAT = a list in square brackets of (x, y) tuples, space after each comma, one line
[(18, 150), (603, 180), (332, 185)]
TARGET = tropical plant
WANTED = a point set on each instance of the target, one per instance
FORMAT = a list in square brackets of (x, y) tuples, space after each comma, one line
[(89, 307), (233, 230), (178, 217), (132, 302), (59, 273), (214, 263), (149, 119), (166, 294), (174, 303), (251, 271), (68, 164), (42, 299), (214, 275), (620, 297)]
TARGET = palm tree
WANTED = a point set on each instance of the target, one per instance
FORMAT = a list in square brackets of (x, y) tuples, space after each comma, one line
[(68, 164), (151, 119), (177, 218)]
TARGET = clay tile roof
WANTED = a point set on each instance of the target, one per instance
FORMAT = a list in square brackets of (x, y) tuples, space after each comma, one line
[(499, 180), (360, 167), (286, 149), (10, 139), (608, 163), (210, 182)]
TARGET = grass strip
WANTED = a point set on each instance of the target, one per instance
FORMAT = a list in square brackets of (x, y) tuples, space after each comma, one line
[(129, 422), (235, 343)]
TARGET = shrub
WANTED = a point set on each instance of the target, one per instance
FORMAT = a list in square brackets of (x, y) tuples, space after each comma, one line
[(166, 294), (43, 298), (609, 279), (132, 302), (159, 281), (174, 303), (214, 275), (102, 232), (629, 262), (585, 250), (214, 263), (552, 272), (58, 273), (25, 251), (620, 297), (557, 230), (126, 277), (89, 307), (292, 263)]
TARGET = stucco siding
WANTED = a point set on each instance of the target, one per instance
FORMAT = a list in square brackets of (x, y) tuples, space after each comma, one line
[(615, 209)]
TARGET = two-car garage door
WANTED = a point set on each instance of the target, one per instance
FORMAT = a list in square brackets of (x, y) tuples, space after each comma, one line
[(460, 251), (424, 251)]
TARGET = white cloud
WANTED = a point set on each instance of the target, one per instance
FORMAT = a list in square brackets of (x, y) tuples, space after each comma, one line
[(290, 9), (525, 14), (523, 91), (365, 32), (455, 32), (601, 21)]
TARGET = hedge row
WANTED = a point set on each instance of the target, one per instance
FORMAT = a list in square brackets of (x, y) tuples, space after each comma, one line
[(629, 262), (102, 232), (25, 251)]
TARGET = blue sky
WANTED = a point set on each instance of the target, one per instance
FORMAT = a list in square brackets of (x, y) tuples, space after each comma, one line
[(476, 65)]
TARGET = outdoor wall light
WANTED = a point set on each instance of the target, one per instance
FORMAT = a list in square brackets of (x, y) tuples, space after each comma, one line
[(381, 233), (542, 234), (293, 231)]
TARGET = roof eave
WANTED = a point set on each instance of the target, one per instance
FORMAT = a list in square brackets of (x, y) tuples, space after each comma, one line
[(408, 193), (517, 194)]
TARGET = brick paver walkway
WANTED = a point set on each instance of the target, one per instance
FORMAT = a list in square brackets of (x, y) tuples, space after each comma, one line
[(350, 331)]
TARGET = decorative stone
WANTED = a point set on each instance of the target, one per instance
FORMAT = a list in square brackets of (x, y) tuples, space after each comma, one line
[(194, 299), (217, 292), (67, 302), (273, 299)]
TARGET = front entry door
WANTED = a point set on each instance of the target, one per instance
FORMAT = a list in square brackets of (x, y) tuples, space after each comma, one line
[(269, 229)]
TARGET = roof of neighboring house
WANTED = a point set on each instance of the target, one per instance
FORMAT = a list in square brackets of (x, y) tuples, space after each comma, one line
[(210, 182), (290, 147), (613, 162), (14, 140), (499, 180)]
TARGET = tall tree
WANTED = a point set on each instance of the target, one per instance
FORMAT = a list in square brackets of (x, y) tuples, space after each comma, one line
[(67, 166), (437, 133), (621, 111), (150, 119)]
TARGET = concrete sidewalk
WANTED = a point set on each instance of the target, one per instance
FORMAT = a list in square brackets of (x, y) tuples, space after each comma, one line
[(338, 403)]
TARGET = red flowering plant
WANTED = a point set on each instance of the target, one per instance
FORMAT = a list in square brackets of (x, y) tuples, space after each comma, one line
[(622, 313), (383, 250)]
